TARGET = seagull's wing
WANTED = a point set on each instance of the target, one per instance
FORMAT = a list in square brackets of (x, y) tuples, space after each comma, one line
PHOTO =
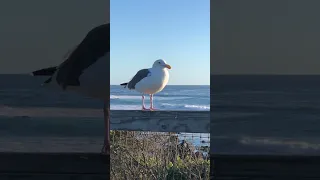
[(95, 45), (138, 77)]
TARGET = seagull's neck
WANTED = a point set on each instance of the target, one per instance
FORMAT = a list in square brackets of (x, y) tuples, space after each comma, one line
[(159, 68), (159, 71)]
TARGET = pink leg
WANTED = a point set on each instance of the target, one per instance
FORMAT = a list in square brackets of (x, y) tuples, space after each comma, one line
[(143, 106), (151, 102), (106, 145)]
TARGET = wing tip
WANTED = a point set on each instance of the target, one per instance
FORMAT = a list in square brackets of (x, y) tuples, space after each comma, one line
[(124, 84)]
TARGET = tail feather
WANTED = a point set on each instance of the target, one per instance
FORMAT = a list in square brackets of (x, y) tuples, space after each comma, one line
[(45, 72), (124, 84)]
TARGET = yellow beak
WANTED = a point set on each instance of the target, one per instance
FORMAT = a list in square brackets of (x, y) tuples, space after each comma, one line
[(168, 66)]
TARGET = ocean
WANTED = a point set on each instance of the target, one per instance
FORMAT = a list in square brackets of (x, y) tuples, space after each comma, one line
[(265, 114), (31, 114), (173, 97)]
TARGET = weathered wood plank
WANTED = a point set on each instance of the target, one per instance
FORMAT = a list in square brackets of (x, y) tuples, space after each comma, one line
[(158, 121), (54, 163), (161, 121), (265, 167)]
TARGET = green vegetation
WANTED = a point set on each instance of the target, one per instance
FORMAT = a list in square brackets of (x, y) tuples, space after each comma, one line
[(155, 156)]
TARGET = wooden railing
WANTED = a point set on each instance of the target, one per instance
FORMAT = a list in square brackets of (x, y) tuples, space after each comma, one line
[(161, 121), (34, 165)]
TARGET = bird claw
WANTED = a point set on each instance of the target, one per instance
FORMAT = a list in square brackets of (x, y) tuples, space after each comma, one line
[(153, 109), (144, 109)]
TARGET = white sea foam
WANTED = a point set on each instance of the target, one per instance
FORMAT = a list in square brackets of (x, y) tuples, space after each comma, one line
[(114, 97), (124, 97), (128, 97), (185, 107), (201, 107), (125, 107), (162, 106)]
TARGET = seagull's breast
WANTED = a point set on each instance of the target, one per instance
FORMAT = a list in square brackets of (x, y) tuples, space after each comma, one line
[(154, 83)]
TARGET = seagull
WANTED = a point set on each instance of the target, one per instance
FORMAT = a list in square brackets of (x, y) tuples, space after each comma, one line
[(85, 71), (150, 81)]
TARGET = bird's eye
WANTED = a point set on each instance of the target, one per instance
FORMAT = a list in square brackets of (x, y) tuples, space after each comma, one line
[(159, 62)]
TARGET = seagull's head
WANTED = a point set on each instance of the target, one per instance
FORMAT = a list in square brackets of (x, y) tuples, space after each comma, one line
[(160, 63)]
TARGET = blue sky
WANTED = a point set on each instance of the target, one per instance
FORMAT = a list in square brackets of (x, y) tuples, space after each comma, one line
[(177, 31)]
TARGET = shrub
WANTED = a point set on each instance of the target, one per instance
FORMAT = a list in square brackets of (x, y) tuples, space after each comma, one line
[(141, 155)]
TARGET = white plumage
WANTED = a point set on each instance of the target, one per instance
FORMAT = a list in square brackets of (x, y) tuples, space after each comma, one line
[(150, 81)]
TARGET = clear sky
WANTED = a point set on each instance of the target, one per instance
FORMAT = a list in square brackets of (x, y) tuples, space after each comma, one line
[(177, 31)]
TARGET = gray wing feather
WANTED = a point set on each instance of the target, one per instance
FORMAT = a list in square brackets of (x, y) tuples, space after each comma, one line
[(138, 77)]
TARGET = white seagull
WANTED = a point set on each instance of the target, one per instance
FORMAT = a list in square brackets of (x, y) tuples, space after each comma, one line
[(86, 71), (150, 81)]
